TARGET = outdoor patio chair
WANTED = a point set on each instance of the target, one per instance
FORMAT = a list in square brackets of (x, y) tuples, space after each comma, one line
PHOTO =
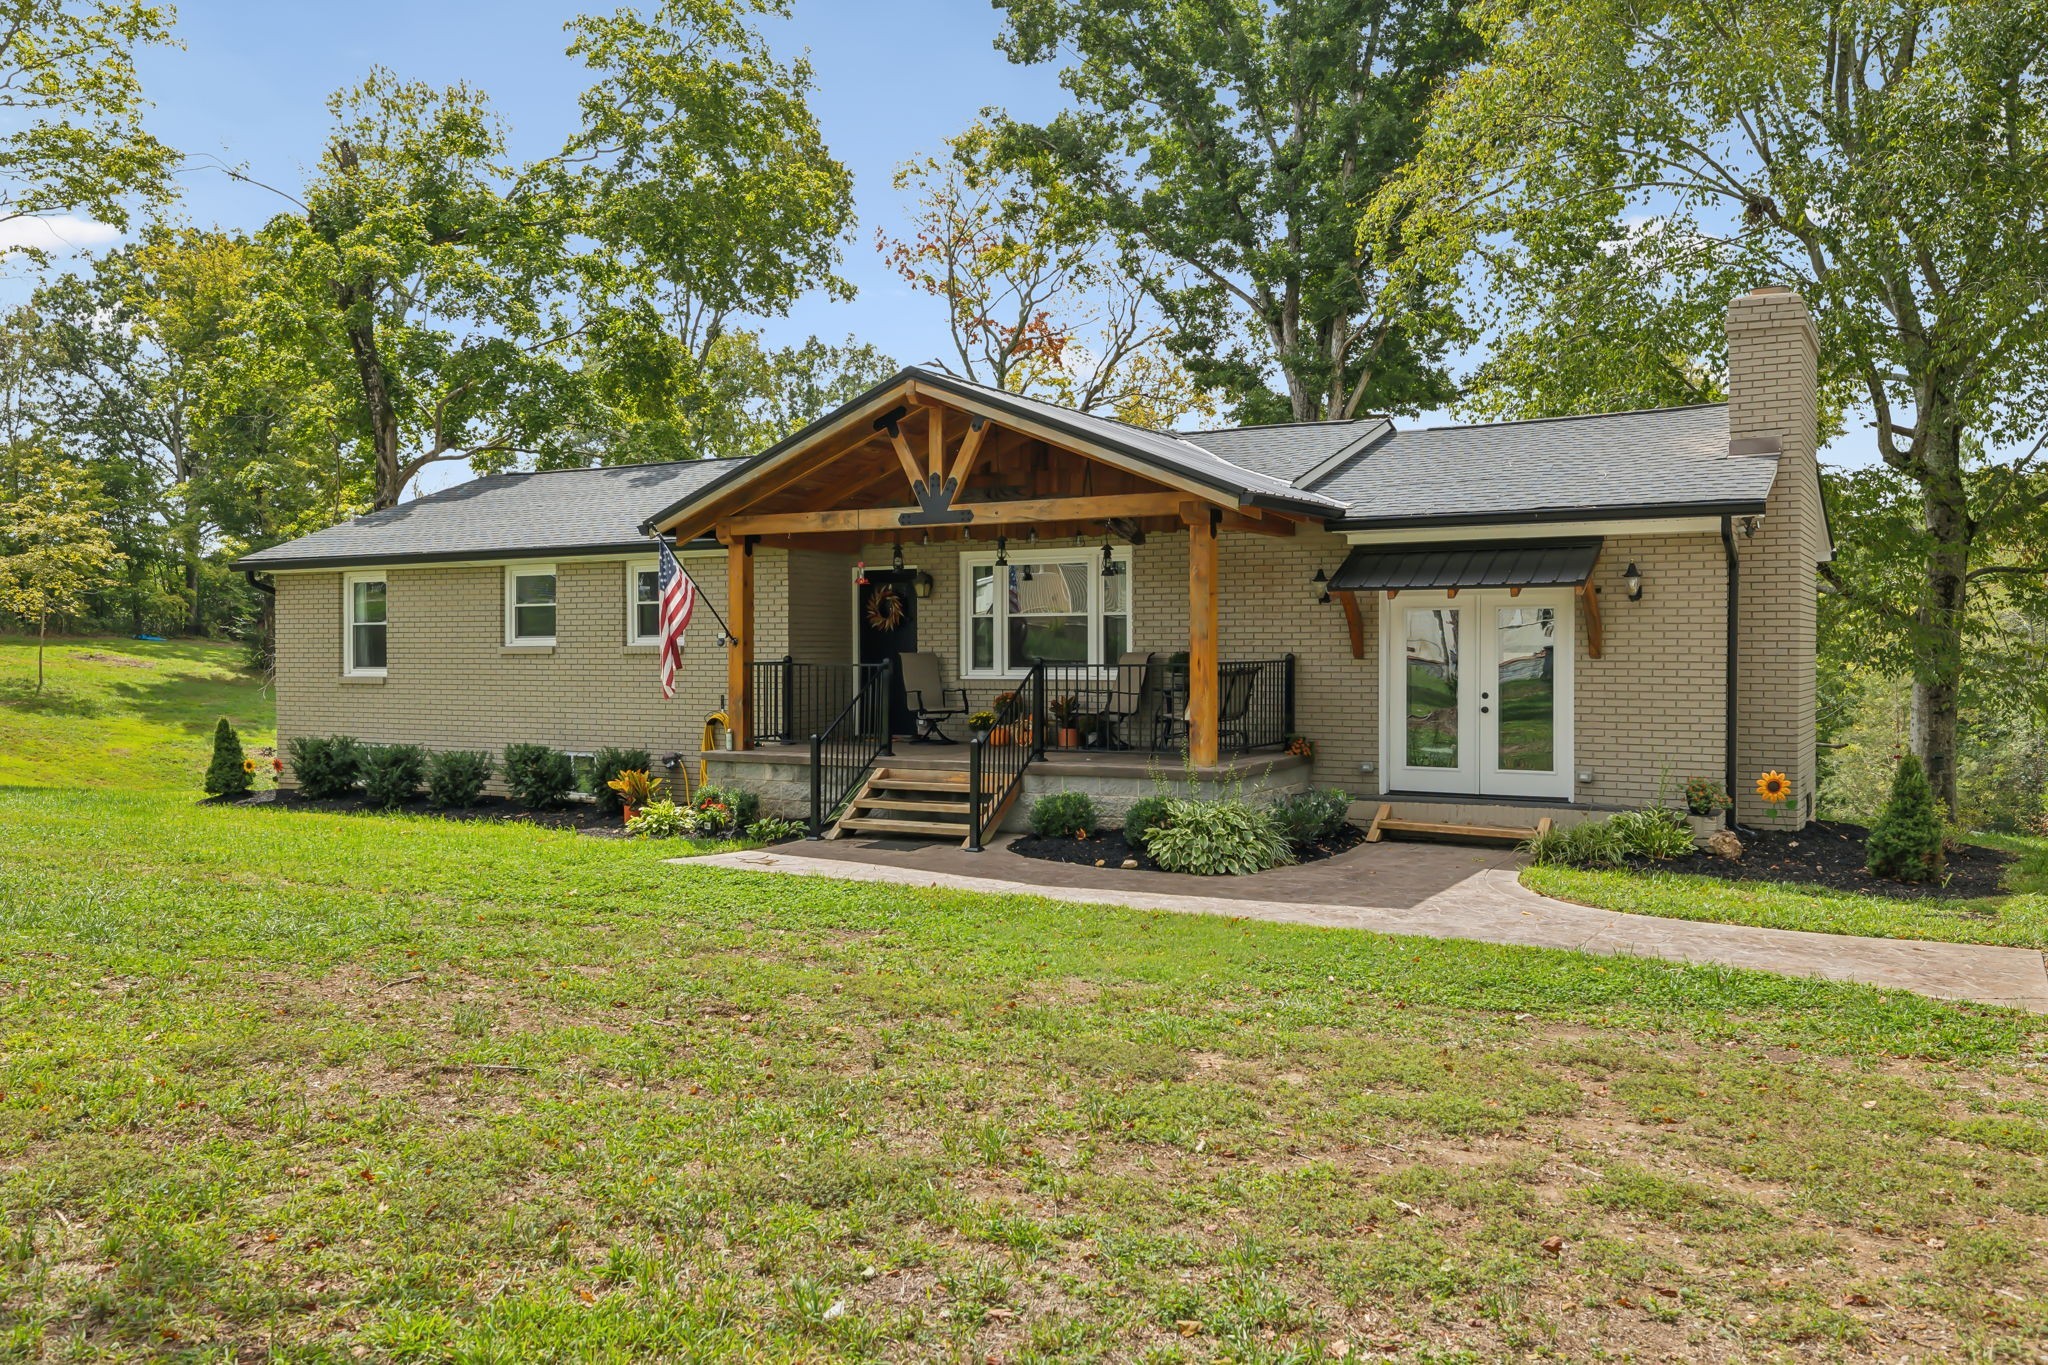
[(1126, 697), (925, 693), (1233, 709)]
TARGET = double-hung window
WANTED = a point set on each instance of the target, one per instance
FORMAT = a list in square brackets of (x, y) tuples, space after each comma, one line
[(530, 604), (643, 602), (1056, 605), (363, 605)]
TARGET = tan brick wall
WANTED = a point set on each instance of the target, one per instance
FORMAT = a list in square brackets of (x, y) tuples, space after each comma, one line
[(451, 683), (1772, 367)]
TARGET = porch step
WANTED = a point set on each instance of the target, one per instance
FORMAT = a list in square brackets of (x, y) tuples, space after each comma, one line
[(920, 803), (1385, 823)]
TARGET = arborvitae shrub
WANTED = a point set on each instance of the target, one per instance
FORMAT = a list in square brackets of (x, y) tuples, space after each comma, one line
[(1905, 843), (228, 774)]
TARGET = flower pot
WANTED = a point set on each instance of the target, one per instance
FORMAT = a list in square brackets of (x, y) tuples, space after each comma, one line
[(632, 813), (1070, 737)]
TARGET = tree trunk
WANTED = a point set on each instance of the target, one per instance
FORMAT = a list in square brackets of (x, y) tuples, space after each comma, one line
[(1937, 679), (195, 619), (42, 635), (362, 344)]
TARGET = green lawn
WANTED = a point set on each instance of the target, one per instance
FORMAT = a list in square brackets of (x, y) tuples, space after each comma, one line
[(126, 713), (302, 1084), (2017, 920), (285, 1085)]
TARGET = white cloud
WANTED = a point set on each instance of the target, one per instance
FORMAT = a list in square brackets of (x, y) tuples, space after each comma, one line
[(63, 233)]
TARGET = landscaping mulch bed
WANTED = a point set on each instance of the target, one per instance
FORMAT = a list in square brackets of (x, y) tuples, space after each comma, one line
[(1108, 848), (580, 816), (1832, 855)]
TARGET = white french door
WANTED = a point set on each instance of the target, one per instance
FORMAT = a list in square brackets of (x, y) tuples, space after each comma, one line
[(1478, 694)]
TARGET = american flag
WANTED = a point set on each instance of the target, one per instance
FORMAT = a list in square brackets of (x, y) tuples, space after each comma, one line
[(678, 597)]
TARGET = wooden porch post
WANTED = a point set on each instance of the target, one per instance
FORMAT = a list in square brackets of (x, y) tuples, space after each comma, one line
[(739, 656), (1202, 661)]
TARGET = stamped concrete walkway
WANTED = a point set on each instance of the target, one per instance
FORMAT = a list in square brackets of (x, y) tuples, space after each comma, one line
[(1435, 891)]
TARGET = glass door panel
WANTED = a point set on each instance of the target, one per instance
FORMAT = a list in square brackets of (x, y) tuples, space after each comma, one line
[(1434, 749)]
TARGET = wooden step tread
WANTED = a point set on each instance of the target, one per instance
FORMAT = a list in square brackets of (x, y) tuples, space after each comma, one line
[(937, 829), (893, 803), (1385, 823)]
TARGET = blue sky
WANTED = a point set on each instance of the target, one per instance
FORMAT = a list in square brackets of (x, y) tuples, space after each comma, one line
[(892, 81), (249, 88)]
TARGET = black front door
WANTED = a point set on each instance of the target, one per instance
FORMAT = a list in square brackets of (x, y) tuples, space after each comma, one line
[(886, 625)]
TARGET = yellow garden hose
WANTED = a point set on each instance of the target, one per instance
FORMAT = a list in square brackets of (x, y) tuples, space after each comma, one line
[(713, 723)]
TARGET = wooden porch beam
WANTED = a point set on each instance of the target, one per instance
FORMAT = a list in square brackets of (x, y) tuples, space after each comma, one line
[(908, 460), (935, 445), (1591, 598), (739, 656), (1009, 513), (970, 446), (1203, 692), (1354, 621)]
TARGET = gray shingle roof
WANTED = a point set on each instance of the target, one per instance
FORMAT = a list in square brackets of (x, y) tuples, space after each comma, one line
[(1664, 460), (1286, 450), (502, 516)]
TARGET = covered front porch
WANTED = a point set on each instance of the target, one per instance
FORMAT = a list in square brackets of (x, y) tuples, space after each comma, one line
[(1046, 604)]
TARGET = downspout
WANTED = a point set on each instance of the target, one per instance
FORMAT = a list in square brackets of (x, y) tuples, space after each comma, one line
[(1731, 665), (267, 589)]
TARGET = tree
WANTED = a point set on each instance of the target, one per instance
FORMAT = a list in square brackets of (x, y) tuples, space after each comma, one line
[(1037, 300), (1905, 843), (762, 395), (227, 774), (53, 551), (706, 193), (1886, 158), (1240, 143), (71, 106)]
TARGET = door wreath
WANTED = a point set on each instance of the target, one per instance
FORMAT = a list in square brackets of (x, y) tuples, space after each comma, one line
[(884, 609)]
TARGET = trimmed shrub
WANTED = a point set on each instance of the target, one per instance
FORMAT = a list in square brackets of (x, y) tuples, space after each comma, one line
[(392, 773), (1146, 814), (1305, 817), (540, 778), (1061, 815), (605, 765), (456, 777), (228, 773), (1905, 843), (1595, 843), (1659, 832), (1217, 838), (326, 766), (732, 808)]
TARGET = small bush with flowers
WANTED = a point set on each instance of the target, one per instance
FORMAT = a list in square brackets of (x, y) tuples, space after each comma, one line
[(662, 820), (725, 811)]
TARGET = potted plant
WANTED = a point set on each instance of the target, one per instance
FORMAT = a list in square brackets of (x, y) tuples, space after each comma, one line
[(1007, 705), (635, 789), (981, 722), (1066, 711), (1705, 797)]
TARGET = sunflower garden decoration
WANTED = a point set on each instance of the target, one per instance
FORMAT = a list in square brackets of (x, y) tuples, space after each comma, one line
[(1774, 789)]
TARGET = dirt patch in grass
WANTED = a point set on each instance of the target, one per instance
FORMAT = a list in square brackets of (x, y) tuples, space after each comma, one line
[(1832, 855), (116, 660), (1108, 848)]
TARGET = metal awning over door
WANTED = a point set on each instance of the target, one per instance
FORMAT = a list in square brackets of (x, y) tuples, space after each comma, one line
[(1449, 568)]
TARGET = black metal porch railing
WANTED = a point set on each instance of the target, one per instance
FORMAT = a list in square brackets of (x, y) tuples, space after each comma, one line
[(996, 759), (793, 701), (1141, 706), (846, 746)]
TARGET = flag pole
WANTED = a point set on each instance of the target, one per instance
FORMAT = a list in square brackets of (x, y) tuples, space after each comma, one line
[(725, 635)]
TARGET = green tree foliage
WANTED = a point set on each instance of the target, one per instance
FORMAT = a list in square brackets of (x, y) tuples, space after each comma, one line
[(1887, 158), (1905, 843), (754, 395), (1240, 143), (1038, 300), (225, 775), (71, 134), (53, 550)]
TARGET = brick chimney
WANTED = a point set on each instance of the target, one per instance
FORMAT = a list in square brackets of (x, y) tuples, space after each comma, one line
[(1773, 381)]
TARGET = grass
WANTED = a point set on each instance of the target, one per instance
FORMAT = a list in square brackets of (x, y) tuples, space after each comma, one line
[(304, 1085), (288, 1085), (116, 712), (2017, 920)]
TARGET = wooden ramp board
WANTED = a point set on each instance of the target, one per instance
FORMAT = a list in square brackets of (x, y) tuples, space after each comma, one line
[(1384, 824)]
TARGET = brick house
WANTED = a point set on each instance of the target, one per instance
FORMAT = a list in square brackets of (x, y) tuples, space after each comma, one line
[(1576, 614)]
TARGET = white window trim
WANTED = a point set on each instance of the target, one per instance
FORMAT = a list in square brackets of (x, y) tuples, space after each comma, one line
[(970, 559), (513, 573), (634, 568), (348, 624)]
